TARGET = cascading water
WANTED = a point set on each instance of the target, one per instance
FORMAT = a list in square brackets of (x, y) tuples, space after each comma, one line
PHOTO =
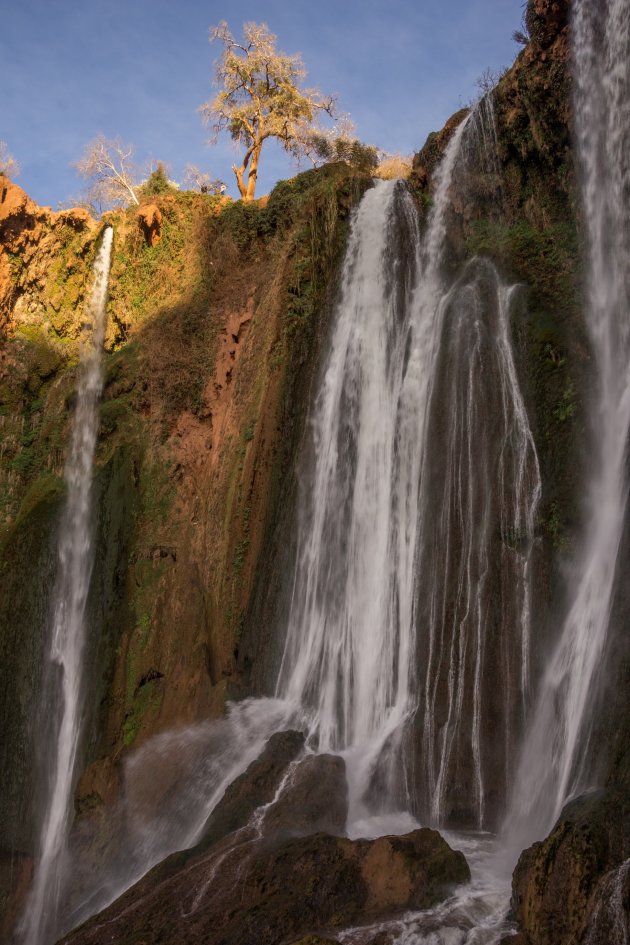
[(376, 566), (478, 519), (347, 664), (423, 453), (608, 921), (62, 691), (552, 757)]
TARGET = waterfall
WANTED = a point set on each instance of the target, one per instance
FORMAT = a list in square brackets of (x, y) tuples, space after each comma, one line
[(351, 640), (418, 521), (420, 468), (478, 520), (347, 661), (552, 757), (62, 697), (608, 920)]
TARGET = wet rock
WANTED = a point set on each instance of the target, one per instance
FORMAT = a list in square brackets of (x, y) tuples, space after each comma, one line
[(609, 919), (150, 222), (315, 799), (257, 786), (382, 938), (591, 838), (257, 895), (316, 940), (16, 874), (427, 160)]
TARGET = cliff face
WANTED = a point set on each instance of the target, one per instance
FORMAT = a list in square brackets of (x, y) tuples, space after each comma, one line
[(216, 312)]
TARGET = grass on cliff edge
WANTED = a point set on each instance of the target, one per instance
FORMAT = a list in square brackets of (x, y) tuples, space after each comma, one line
[(165, 290)]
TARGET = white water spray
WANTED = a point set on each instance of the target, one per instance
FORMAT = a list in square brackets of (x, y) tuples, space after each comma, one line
[(63, 689), (550, 769), (350, 651)]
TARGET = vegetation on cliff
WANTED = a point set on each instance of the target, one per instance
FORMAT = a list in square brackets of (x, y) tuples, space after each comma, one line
[(216, 311)]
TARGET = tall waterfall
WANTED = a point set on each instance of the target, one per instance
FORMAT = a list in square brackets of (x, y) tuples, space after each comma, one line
[(410, 597), (348, 660), (550, 768), (62, 692), (351, 637), (419, 517), (475, 568)]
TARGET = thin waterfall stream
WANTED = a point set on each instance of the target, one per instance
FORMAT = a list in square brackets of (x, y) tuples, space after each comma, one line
[(62, 688)]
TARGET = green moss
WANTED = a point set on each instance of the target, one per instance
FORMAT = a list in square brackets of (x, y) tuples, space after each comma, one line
[(147, 699), (16, 266), (544, 258), (46, 488), (556, 528)]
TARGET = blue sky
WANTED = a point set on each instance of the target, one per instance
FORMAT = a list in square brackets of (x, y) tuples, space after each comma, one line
[(140, 68)]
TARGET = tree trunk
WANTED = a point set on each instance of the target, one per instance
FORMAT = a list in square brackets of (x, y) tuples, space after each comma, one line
[(238, 173), (252, 177)]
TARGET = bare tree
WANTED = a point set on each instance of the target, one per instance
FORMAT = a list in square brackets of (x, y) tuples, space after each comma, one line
[(260, 97), (9, 167), (107, 165), (196, 179)]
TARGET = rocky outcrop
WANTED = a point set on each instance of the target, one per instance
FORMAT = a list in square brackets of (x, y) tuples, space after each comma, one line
[(546, 20), (256, 787), (150, 222), (561, 886), (44, 260), (425, 162), (265, 896)]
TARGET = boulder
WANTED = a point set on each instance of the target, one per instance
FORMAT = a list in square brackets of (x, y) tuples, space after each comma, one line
[(262, 894), (257, 786), (314, 799)]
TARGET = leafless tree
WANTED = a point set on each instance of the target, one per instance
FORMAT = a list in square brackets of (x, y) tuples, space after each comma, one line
[(107, 165), (196, 179), (8, 165)]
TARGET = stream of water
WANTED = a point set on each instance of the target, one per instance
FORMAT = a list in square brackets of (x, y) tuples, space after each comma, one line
[(552, 768), (62, 688)]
